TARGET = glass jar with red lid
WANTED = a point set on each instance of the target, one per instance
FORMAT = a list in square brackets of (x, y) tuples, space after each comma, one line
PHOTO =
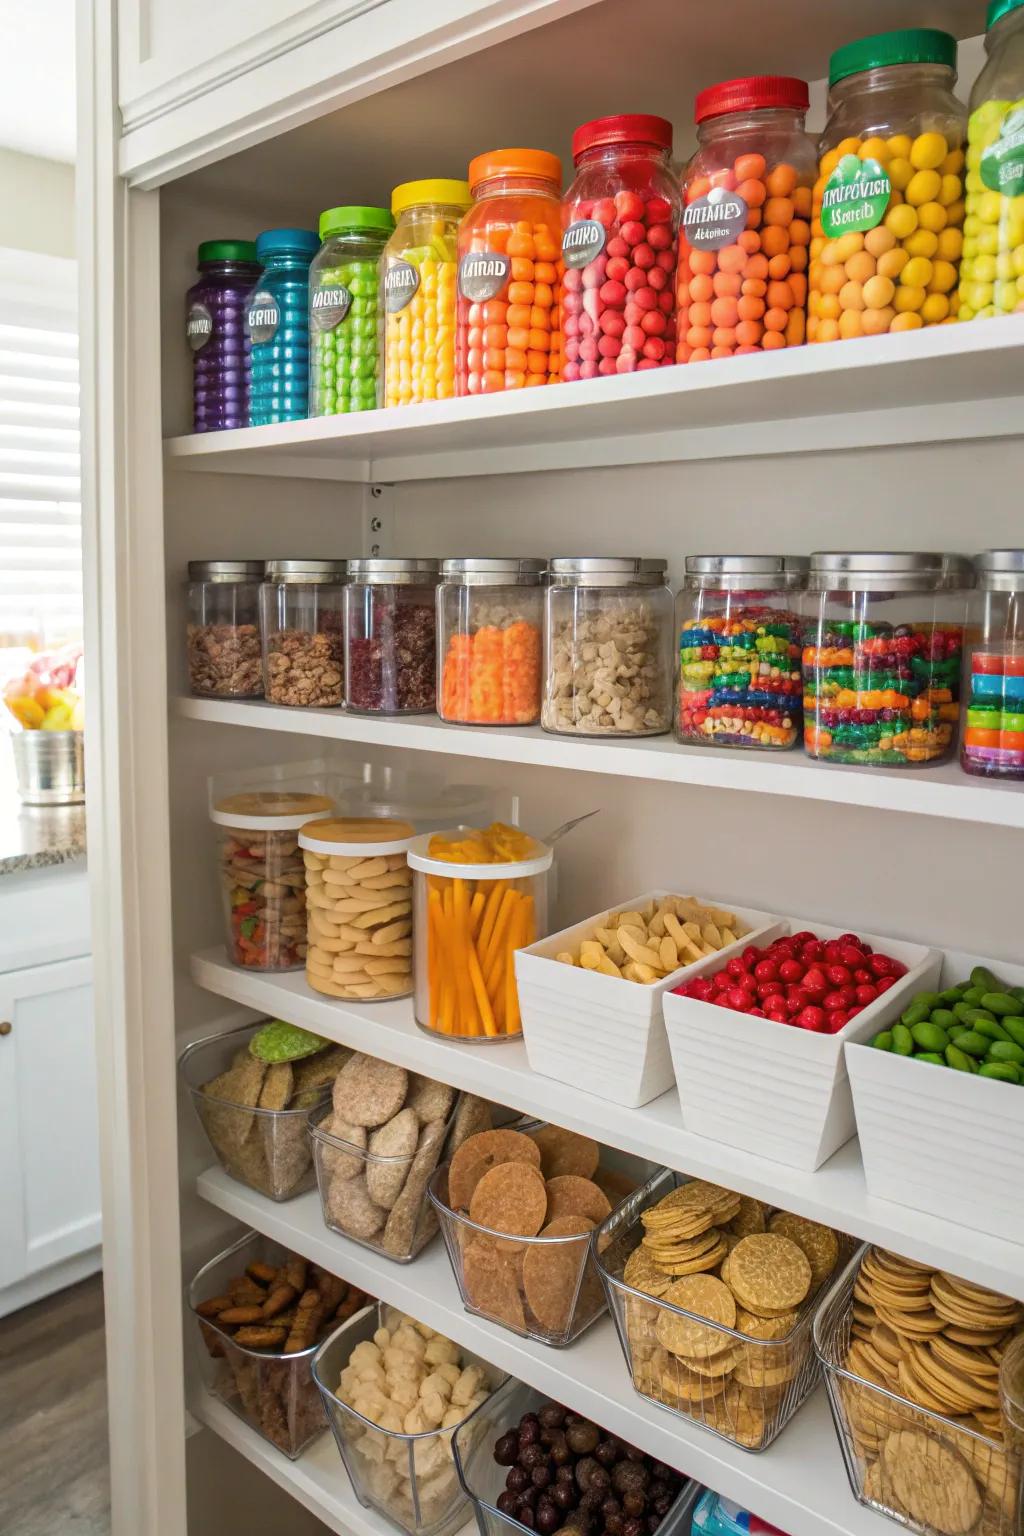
[(509, 288), (619, 224), (746, 231)]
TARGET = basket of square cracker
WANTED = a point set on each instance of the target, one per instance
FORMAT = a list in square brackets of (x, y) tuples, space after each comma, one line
[(713, 1298), (911, 1357), (591, 996), (253, 1089), (518, 1209), (262, 1312), (394, 1392), (376, 1144)]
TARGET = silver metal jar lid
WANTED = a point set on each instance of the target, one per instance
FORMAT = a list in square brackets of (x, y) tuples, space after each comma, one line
[(306, 570), (892, 571), (494, 571), (958, 573), (781, 572), (225, 570), (606, 571), (384, 570), (1000, 570)]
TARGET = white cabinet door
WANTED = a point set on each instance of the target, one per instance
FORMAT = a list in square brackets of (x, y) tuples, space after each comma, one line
[(49, 1129)]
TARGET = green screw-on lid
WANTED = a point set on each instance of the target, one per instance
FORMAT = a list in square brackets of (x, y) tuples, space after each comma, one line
[(334, 220), (228, 250), (916, 45), (998, 9)]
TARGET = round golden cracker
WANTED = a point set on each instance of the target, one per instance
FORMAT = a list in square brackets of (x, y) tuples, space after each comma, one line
[(718, 1365), (932, 1481), (707, 1297), (767, 1272), (887, 1343), (701, 1263), (977, 1363), (878, 1488), (571, 1195), (766, 1367), (478, 1154), (553, 1271), (697, 1197), (818, 1243), (687, 1386), (910, 1325), (765, 1327), (489, 1280), (643, 1274), (565, 1152), (368, 1092), (981, 1338), (750, 1218), (510, 1198), (953, 1384)]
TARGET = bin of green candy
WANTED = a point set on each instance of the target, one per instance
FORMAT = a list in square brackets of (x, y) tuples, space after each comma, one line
[(975, 1026), (343, 325)]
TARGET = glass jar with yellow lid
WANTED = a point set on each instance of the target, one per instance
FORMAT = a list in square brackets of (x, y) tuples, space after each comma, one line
[(417, 292)]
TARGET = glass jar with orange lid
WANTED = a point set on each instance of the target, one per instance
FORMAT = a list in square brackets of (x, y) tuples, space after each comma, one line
[(509, 291)]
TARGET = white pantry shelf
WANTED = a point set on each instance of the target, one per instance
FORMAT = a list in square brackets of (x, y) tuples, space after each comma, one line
[(835, 1193), (965, 382), (943, 791), (798, 1484)]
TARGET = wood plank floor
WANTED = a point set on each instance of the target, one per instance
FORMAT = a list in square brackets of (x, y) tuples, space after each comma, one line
[(53, 1417)]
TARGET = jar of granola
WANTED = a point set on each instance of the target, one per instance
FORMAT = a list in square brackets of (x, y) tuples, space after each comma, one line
[(223, 633), (302, 622)]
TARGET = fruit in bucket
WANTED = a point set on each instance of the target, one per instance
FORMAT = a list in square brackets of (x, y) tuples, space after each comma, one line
[(48, 695)]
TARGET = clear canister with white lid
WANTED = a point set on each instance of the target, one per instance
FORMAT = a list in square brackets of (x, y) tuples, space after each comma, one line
[(883, 640), (262, 875), (359, 907), (607, 647), (992, 741), (490, 613), (739, 639), (302, 622), (223, 630), (390, 636)]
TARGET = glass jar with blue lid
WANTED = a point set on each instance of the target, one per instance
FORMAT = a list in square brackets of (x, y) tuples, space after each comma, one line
[(277, 320)]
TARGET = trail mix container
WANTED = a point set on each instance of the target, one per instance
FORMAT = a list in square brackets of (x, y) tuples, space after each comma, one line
[(390, 636), (745, 232), (992, 743), (417, 291), (888, 202), (262, 876), (489, 617), (510, 274), (739, 633), (223, 631), (619, 221), (883, 637), (302, 622), (216, 332), (359, 903), (277, 320), (607, 647), (992, 270), (343, 310)]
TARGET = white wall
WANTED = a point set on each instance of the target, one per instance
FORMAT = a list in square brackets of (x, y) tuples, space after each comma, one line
[(37, 204)]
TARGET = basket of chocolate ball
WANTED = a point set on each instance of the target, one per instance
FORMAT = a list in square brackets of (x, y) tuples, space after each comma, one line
[(531, 1465)]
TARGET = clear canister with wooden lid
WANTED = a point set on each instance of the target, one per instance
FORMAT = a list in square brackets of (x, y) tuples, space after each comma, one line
[(359, 907)]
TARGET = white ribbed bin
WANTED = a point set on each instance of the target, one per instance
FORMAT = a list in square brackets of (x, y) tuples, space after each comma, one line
[(945, 1142), (770, 1088), (604, 1034)]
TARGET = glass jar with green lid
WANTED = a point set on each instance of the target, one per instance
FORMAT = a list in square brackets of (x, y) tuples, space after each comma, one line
[(992, 271), (343, 310), (417, 292)]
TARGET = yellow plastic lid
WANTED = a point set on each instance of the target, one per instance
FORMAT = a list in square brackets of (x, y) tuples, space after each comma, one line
[(411, 194)]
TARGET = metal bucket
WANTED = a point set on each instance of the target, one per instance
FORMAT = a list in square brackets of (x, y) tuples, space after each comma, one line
[(50, 766)]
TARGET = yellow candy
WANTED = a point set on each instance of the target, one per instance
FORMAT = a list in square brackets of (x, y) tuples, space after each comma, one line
[(924, 187), (1007, 297), (989, 207), (928, 151), (922, 243), (907, 322), (932, 217), (950, 189), (875, 149), (907, 299), (943, 278), (900, 145), (901, 174), (935, 309), (901, 221)]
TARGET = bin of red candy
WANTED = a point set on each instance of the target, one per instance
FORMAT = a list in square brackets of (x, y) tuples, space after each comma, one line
[(619, 223), (745, 231)]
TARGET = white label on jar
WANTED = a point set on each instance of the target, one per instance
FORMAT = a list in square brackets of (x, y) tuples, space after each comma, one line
[(198, 326), (582, 242), (401, 283), (329, 307), (482, 275), (716, 220), (263, 316)]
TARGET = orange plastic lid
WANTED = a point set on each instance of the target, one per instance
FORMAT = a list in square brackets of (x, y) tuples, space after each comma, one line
[(537, 163)]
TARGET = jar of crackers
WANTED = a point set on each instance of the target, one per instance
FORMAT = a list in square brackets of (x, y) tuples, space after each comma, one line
[(359, 907), (478, 896)]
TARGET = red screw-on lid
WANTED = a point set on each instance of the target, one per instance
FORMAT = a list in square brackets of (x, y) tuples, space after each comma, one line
[(751, 93), (625, 128)]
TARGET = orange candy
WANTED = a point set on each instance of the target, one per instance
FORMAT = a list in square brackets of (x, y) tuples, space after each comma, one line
[(492, 677)]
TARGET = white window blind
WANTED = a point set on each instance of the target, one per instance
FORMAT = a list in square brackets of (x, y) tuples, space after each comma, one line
[(40, 492)]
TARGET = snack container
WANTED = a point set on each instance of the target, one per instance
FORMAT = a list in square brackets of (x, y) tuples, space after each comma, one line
[(390, 636), (940, 1464), (359, 907), (769, 1378), (490, 614), (774, 1089), (484, 1480), (992, 739), (410, 1479), (277, 320), (468, 921), (223, 633), (274, 1394), (343, 316), (268, 1149), (302, 629), (603, 1033), (923, 1129), (216, 334), (418, 271)]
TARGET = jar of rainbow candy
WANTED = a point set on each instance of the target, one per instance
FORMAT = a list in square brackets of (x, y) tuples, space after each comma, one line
[(992, 742)]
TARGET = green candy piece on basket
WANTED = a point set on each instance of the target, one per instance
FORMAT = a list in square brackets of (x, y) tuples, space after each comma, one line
[(973, 996), (278, 1041), (1015, 1029), (973, 1043), (944, 1016), (1002, 1003), (1005, 1050), (983, 978), (1018, 993), (1002, 1071), (902, 1040), (959, 1059), (883, 1040), (980, 1016), (932, 1056), (990, 1028), (953, 994), (915, 1014), (962, 1009), (930, 1036)]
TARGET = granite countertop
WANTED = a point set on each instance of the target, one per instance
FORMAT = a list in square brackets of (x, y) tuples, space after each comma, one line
[(35, 836)]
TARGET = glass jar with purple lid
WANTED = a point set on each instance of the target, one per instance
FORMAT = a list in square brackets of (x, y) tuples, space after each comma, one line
[(216, 332)]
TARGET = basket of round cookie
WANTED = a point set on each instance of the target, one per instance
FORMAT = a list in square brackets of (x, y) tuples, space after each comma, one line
[(911, 1357), (518, 1210), (713, 1298)]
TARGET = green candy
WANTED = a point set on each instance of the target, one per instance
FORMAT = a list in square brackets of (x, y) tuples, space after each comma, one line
[(959, 1060), (973, 996), (1005, 1050), (944, 1016), (962, 1010), (1002, 1071), (980, 1016), (278, 1041), (883, 1040), (974, 1044), (916, 1014), (902, 1040), (983, 979), (1015, 1029), (930, 1036), (932, 1056), (990, 1028), (953, 994), (1002, 1003)]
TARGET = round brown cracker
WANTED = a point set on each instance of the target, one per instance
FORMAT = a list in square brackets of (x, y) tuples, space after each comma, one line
[(368, 1092), (643, 1274), (768, 1273), (818, 1243), (570, 1195), (701, 1263), (510, 1198), (932, 1481), (478, 1154), (707, 1297), (765, 1327), (350, 1209), (565, 1152), (552, 1272), (396, 1140), (491, 1286), (750, 1218)]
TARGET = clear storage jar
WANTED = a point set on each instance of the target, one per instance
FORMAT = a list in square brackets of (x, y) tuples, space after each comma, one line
[(745, 232), (277, 320), (509, 290), (883, 638), (217, 336), (619, 224), (489, 626), (223, 631), (469, 919), (888, 203), (417, 292), (992, 741), (607, 647), (390, 636), (343, 323), (359, 907), (302, 625), (739, 642), (262, 876), (992, 269)]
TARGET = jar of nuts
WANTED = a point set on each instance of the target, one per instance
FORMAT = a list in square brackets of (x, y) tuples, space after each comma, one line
[(359, 907), (303, 628), (607, 650), (489, 616), (223, 633), (390, 653)]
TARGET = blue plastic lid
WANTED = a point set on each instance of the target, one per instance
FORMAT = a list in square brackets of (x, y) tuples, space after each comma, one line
[(304, 241)]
